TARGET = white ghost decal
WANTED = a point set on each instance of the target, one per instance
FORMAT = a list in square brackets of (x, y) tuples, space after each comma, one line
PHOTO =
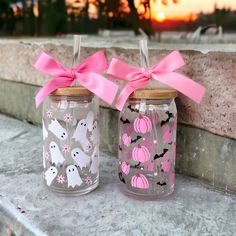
[(58, 130), (56, 155), (95, 162), (81, 159), (50, 174), (73, 177), (95, 134), (80, 133)]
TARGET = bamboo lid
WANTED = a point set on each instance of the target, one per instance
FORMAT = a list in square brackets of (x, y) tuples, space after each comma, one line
[(72, 91), (160, 93)]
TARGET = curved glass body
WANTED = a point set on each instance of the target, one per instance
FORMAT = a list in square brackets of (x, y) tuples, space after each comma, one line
[(147, 148), (71, 144)]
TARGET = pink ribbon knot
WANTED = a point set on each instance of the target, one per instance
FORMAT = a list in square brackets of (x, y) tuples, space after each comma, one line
[(86, 73), (164, 72)]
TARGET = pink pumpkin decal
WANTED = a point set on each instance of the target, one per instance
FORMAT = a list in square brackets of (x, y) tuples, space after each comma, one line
[(149, 166), (165, 164), (142, 124), (126, 139), (167, 134), (139, 181), (140, 154), (125, 167)]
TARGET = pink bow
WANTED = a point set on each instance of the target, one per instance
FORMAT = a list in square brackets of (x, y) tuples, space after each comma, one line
[(86, 73), (163, 72)]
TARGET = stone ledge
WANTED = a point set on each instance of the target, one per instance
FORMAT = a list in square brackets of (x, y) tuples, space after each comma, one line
[(217, 112), (192, 209)]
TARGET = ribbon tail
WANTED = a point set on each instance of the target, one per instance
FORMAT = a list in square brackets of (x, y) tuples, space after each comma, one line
[(182, 84), (48, 88), (124, 95), (99, 85)]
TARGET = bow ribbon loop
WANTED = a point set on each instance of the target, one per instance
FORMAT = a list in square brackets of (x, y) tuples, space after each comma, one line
[(163, 72), (86, 73)]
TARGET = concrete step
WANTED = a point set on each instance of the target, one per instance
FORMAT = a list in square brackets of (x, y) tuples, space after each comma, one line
[(27, 208)]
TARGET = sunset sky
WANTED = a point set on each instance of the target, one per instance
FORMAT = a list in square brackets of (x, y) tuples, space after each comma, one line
[(186, 7)]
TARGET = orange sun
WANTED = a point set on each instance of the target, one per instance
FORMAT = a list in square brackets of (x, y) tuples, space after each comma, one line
[(160, 16)]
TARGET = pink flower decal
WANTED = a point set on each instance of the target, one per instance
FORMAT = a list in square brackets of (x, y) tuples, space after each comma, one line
[(68, 118), (126, 139), (140, 153), (49, 114), (167, 134), (66, 148), (60, 179), (46, 155), (142, 124), (165, 164), (88, 180), (139, 181), (125, 167), (149, 166)]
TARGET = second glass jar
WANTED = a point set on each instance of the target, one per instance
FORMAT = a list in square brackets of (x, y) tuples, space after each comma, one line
[(147, 144)]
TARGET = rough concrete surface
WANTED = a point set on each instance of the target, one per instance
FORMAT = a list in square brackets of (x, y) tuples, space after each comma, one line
[(215, 69), (27, 207)]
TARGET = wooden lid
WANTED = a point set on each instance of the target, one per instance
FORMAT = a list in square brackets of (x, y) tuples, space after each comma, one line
[(160, 93), (72, 91)]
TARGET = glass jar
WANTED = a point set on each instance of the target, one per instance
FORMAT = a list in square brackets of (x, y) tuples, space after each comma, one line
[(71, 141), (147, 144)]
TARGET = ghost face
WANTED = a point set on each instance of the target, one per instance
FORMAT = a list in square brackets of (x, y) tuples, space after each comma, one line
[(81, 159), (56, 155), (58, 130), (73, 177), (50, 175)]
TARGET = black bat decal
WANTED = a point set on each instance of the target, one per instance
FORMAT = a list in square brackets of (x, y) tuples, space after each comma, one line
[(137, 165), (161, 155), (124, 121), (161, 184), (170, 115), (135, 140), (132, 109), (121, 177)]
